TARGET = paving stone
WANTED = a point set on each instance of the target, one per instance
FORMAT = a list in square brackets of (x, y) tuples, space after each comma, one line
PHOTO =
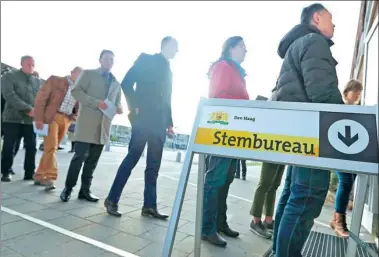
[(18, 228), (96, 231), (70, 222), (158, 235), (127, 242), (28, 207), (135, 227), (5, 196), (85, 212), (40, 197), (107, 220), (36, 242), (188, 228), (8, 218), (47, 214), (13, 201), (6, 252), (66, 206), (154, 250)]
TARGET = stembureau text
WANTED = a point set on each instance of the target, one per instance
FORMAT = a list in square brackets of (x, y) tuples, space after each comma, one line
[(254, 142)]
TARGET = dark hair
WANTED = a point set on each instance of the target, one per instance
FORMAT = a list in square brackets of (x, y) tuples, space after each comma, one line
[(105, 51), (308, 12), (225, 54), (25, 57), (166, 40)]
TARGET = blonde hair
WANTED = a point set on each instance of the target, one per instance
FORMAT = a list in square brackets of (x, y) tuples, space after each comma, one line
[(353, 85)]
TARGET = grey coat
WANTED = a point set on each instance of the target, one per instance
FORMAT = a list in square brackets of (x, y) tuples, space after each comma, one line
[(92, 126), (19, 90), (308, 72)]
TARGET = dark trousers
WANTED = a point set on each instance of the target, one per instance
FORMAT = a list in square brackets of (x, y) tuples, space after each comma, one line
[(238, 171), (220, 174), (345, 185), (89, 154), (13, 132), (144, 130), (301, 202)]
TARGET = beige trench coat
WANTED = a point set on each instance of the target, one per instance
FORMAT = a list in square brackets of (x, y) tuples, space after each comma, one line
[(92, 126)]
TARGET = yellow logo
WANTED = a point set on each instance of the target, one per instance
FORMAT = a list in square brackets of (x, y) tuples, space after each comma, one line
[(219, 118)]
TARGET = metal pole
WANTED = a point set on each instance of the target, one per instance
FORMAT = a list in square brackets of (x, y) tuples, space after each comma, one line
[(108, 146), (177, 207), (199, 204), (356, 220)]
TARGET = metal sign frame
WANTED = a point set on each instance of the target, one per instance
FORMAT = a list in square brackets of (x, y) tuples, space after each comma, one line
[(352, 167)]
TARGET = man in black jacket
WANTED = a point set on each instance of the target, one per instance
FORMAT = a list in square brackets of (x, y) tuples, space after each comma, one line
[(308, 74), (150, 116)]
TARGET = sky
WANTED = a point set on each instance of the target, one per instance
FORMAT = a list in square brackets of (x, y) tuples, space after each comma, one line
[(64, 34)]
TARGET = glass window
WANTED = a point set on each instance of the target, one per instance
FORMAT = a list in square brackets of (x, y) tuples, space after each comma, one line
[(371, 82)]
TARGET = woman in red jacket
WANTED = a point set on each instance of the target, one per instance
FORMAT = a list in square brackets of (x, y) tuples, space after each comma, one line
[(227, 81)]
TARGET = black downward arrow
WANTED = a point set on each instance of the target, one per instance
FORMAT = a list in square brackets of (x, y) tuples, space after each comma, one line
[(347, 139)]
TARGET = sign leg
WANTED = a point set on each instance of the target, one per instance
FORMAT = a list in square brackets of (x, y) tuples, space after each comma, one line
[(177, 207), (199, 204), (356, 219)]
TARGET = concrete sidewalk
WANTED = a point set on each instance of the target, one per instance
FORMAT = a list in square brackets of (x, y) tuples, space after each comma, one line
[(38, 224)]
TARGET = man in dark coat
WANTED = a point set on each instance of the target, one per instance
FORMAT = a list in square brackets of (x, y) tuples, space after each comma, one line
[(150, 116), (308, 74)]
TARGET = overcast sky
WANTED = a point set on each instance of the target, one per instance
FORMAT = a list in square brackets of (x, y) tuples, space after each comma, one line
[(61, 35)]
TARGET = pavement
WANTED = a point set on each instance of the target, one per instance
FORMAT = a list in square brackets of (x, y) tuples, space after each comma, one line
[(37, 224)]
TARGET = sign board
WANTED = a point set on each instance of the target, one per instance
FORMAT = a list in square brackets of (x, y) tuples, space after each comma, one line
[(323, 136)]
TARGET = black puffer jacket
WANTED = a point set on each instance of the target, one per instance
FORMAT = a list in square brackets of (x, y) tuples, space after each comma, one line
[(308, 72)]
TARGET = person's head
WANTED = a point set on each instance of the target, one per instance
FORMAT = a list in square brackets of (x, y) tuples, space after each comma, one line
[(234, 48), (75, 73), (318, 16), (353, 91), (169, 47), (106, 59), (27, 64)]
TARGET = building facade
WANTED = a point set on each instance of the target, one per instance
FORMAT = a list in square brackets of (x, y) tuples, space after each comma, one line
[(365, 68)]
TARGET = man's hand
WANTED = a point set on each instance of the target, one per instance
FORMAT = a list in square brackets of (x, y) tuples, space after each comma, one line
[(119, 110), (39, 125), (102, 105), (170, 132), (31, 113)]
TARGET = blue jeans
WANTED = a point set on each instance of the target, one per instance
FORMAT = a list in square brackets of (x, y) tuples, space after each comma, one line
[(150, 130), (301, 202), (219, 176), (345, 184)]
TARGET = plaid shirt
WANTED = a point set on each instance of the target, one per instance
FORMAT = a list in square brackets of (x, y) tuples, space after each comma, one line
[(68, 102)]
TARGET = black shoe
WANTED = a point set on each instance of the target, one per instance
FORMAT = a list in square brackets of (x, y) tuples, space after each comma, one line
[(12, 172), (260, 230), (243, 177), (87, 195), (6, 178), (215, 239), (112, 208), (28, 178), (151, 212), (229, 232), (66, 194)]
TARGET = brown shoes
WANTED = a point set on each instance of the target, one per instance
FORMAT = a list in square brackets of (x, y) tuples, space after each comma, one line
[(339, 225)]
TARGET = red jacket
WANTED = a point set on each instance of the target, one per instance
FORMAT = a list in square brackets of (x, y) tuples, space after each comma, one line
[(226, 82)]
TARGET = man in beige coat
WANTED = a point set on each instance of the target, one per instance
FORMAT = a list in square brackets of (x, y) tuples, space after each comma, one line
[(98, 92)]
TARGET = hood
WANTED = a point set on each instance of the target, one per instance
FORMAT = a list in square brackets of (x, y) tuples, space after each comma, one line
[(297, 32)]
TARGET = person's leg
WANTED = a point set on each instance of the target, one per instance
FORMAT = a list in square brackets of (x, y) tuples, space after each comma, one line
[(215, 178), (30, 151), (268, 172), (11, 136), (48, 159), (238, 170), (345, 185), (244, 169), (281, 205), (156, 140), (81, 153), (16, 148), (136, 146), (270, 198), (89, 167), (308, 192), (222, 223)]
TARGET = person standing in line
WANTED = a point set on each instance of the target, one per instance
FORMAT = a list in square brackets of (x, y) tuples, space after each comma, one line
[(270, 179), (352, 95), (55, 106), (227, 81), (150, 116), (94, 90), (238, 171), (71, 130), (308, 74), (19, 88)]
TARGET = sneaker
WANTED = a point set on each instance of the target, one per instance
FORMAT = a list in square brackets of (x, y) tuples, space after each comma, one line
[(260, 230), (49, 186), (269, 226)]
